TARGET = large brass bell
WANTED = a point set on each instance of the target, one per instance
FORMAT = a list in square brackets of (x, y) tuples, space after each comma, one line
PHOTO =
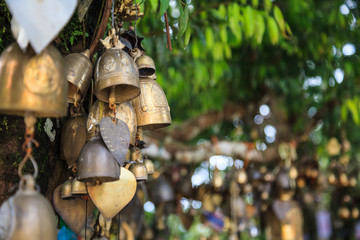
[(138, 167), (73, 137), (151, 107), (79, 70), (30, 82), (116, 76), (27, 215), (96, 163), (146, 66)]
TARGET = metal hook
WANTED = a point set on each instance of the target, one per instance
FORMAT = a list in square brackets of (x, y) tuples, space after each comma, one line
[(22, 164)]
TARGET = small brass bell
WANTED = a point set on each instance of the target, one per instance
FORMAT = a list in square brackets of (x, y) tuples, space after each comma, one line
[(97, 112), (149, 166), (116, 76), (66, 189), (138, 167), (30, 82), (73, 138), (78, 188), (79, 70), (151, 107), (27, 215), (96, 163), (146, 66)]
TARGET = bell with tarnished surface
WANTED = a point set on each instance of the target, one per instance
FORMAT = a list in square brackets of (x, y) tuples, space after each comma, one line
[(78, 188), (73, 137), (151, 107), (30, 82), (137, 166), (66, 189), (149, 166), (78, 70), (27, 215), (96, 113), (116, 77), (146, 66), (96, 163)]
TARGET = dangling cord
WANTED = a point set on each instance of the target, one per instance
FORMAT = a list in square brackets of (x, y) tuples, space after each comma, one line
[(86, 206), (30, 121), (136, 19), (112, 14)]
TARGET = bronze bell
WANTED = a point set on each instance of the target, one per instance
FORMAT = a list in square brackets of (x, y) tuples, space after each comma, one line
[(97, 112), (30, 82), (79, 70), (146, 66), (116, 76), (149, 166), (151, 107), (73, 138), (137, 166), (78, 188), (66, 189), (27, 215), (126, 113), (96, 163)]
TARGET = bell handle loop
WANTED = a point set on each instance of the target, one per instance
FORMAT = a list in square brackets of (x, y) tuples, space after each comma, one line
[(22, 164)]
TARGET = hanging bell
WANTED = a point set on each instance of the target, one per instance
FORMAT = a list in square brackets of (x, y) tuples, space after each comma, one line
[(78, 188), (126, 113), (97, 112), (151, 107), (78, 69), (66, 189), (96, 163), (27, 215), (30, 82), (146, 66), (73, 137), (149, 166), (116, 77), (138, 167)]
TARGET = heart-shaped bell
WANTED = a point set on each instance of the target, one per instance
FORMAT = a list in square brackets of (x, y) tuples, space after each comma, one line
[(96, 163), (79, 70), (30, 82), (146, 66), (137, 166), (151, 107), (27, 215), (73, 138), (117, 76)]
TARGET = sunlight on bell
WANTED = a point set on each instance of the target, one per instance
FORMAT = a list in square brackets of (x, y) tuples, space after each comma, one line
[(339, 75), (344, 9), (349, 49), (149, 207)]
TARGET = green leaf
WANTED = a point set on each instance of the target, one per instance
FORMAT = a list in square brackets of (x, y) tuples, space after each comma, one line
[(249, 23), (72, 40), (164, 5), (279, 18), (222, 10), (209, 36), (223, 34), (288, 29), (259, 28), (154, 4), (187, 35), (183, 22), (344, 112), (267, 5), (273, 31), (255, 3)]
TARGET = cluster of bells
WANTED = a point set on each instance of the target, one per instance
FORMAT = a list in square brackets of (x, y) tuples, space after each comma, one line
[(102, 149)]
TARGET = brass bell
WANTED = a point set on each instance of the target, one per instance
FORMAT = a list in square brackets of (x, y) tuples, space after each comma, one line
[(138, 167), (116, 77), (73, 138), (78, 69), (149, 166), (151, 107), (78, 188), (146, 66), (126, 113), (66, 189), (96, 163), (97, 112), (30, 82), (27, 215)]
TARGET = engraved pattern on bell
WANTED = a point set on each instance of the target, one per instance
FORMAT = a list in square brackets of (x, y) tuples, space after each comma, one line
[(30, 82), (109, 64)]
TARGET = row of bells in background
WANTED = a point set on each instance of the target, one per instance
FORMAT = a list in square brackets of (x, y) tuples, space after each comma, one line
[(96, 147)]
